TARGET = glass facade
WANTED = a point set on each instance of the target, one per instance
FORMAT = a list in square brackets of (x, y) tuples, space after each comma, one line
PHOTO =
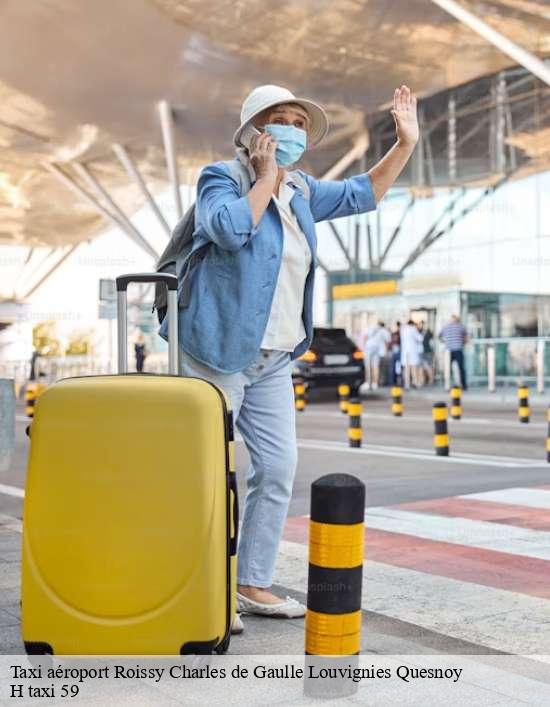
[(514, 322)]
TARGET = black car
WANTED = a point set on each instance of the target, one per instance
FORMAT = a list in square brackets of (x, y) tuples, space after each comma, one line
[(332, 359)]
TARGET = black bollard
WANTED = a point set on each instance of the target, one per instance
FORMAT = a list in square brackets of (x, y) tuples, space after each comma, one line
[(441, 436), (336, 550), (456, 402), (355, 430), (523, 403)]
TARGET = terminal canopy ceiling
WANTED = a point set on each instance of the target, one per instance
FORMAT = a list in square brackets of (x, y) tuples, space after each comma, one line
[(76, 77)]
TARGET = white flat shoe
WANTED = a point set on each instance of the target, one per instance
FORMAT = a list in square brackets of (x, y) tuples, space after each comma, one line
[(288, 609), (237, 626)]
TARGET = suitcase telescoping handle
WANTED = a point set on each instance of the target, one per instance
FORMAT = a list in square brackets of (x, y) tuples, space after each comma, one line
[(171, 282)]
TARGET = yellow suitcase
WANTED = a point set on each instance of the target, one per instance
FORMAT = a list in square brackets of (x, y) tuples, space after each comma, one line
[(130, 513)]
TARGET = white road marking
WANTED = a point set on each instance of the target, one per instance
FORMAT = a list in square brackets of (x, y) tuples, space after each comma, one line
[(533, 498), (12, 491), (10, 523), (418, 453), (421, 453), (462, 531), (466, 420), (496, 618)]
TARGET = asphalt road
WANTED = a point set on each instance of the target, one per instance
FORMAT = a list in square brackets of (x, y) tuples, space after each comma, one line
[(452, 577), (489, 450)]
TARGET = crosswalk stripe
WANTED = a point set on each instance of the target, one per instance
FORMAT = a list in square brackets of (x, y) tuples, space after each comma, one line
[(533, 498), (493, 617), (501, 570), (12, 491), (466, 507), (498, 537)]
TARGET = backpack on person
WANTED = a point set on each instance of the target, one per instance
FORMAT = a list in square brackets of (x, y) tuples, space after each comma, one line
[(178, 257)]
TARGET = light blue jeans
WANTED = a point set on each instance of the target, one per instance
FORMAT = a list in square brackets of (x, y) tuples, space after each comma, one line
[(262, 399)]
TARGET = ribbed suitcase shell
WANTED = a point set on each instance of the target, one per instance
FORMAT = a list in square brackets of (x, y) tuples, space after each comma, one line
[(128, 515)]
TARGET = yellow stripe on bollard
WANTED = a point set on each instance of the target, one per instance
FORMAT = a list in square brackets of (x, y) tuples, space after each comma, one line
[(336, 557), (440, 413), (300, 396), (441, 440), (344, 392), (318, 644), (336, 546), (397, 401), (336, 534), (334, 624)]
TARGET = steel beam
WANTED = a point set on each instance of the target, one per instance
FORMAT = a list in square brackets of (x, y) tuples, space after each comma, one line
[(129, 165), (451, 137), (75, 187), (500, 96), (321, 265), (167, 126), (359, 148), (50, 272), (419, 154), (426, 240), (21, 271), (396, 231), (531, 62), (369, 244), (340, 242), (85, 174), (434, 236)]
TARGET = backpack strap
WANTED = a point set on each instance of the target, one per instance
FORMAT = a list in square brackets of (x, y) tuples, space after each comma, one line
[(240, 174)]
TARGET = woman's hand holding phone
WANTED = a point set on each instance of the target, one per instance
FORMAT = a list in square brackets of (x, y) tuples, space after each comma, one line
[(262, 156)]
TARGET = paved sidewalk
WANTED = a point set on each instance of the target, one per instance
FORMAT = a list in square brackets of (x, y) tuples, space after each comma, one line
[(10, 563)]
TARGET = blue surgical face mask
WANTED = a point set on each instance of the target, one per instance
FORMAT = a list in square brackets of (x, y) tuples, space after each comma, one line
[(291, 143)]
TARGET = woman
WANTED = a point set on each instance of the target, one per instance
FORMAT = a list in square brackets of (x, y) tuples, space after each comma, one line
[(411, 354), (249, 311)]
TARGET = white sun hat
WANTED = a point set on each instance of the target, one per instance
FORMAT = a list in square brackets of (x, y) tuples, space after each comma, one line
[(263, 97)]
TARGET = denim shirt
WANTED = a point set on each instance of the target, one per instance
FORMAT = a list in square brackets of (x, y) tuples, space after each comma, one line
[(232, 286)]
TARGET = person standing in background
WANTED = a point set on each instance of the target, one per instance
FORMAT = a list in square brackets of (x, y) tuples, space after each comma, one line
[(411, 348), (427, 352), (375, 347), (395, 355), (140, 352), (455, 337)]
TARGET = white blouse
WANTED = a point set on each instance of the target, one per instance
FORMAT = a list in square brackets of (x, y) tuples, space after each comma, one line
[(285, 328)]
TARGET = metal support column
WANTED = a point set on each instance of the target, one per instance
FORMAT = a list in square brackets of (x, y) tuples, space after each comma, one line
[(51, 271), (167, 126), (491, 368), (340, 242), (85, 174), (128, 163), (451, 138), (500, 95), (359, 148), (396, 231), (540, 365)]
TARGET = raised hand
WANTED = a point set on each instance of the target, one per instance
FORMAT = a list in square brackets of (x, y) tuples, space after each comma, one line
[(405, 116)]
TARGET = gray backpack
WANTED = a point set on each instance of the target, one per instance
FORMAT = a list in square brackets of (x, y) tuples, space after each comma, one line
[(179, 258)]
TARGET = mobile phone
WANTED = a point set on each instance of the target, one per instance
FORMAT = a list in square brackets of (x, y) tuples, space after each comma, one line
[(248, 133)]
